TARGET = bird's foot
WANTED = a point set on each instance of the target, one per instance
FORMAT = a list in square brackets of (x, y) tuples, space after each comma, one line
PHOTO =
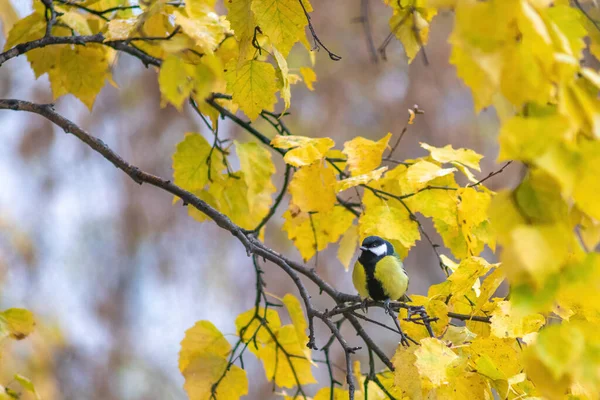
[(364, 305), (387, 308)]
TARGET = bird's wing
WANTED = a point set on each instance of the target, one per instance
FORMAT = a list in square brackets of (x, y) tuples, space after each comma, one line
[(390, 273), (359, 278)]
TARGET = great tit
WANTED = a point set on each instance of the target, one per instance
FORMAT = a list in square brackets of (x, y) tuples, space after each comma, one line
[(379, 272)]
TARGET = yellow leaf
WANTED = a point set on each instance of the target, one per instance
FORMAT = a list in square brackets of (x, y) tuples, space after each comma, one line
[(207, 30), (433, 359), (587, 184), (81, 71), (489, 286), (438, 204), (76, 21), (390, 223), (294, 309), (325, 394), (176, 80), (559, 347), (527, 82), (283, 21), (29, 28), (197, 8), (17, 322), (27, 385), (447, 154), (252, 86), (241, 18), (325, 228), (422, 172), (439, 310), (189, 162), (365, 155), (283, 78), (313, 188), (411, 26), (506, 322), (348, 246), (541, 376), (406, 374), (248, 325), (499, 357), (540, 250), (202, 339), (458, 335), (258, 168), (467, 385), (463, 279), (309, 77), (360, 179), (120, 29), (304, 150), (280, 370), (527, 138), (8, 16), (480, 71), (203, 371), (229, 194)]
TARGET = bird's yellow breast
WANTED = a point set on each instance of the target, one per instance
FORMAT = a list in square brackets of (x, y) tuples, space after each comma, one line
[(389, 271), (390, 274)]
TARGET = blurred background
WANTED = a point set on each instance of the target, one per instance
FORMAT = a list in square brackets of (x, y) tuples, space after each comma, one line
[(115, 274)]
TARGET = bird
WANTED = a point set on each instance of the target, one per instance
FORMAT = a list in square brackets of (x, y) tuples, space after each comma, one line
[(379, 272)]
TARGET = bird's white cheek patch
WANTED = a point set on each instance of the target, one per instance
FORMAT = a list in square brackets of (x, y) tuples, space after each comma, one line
[(379, 250)]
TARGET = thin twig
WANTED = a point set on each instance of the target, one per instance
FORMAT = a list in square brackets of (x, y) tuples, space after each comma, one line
[(318, 43), (366, 23)]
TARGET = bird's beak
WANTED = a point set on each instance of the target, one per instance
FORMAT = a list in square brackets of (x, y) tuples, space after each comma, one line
[(363, 248)]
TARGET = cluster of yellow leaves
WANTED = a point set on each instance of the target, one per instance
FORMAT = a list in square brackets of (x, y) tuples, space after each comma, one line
[(525, 58), (203, 362), (244, 196), (316, 217), (205, 353), (205, 52)]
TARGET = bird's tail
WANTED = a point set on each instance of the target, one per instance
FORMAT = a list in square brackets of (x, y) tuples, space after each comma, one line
[(405, 298)]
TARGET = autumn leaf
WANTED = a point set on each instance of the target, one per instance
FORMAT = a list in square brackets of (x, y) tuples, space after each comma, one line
[(506, 321), (18, 323), (176, 80), (302, 150), (433, 359), (309, 77), (360, 179), (258, 168), (283, 21), (81, 71), (252, 86), (348, 245), (313, 188), (391, 223), (314, 232), (190, 165), (205, 370), (201, 339), (365, 155)]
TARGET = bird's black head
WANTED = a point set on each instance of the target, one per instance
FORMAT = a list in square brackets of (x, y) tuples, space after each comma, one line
[(374, 248)]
